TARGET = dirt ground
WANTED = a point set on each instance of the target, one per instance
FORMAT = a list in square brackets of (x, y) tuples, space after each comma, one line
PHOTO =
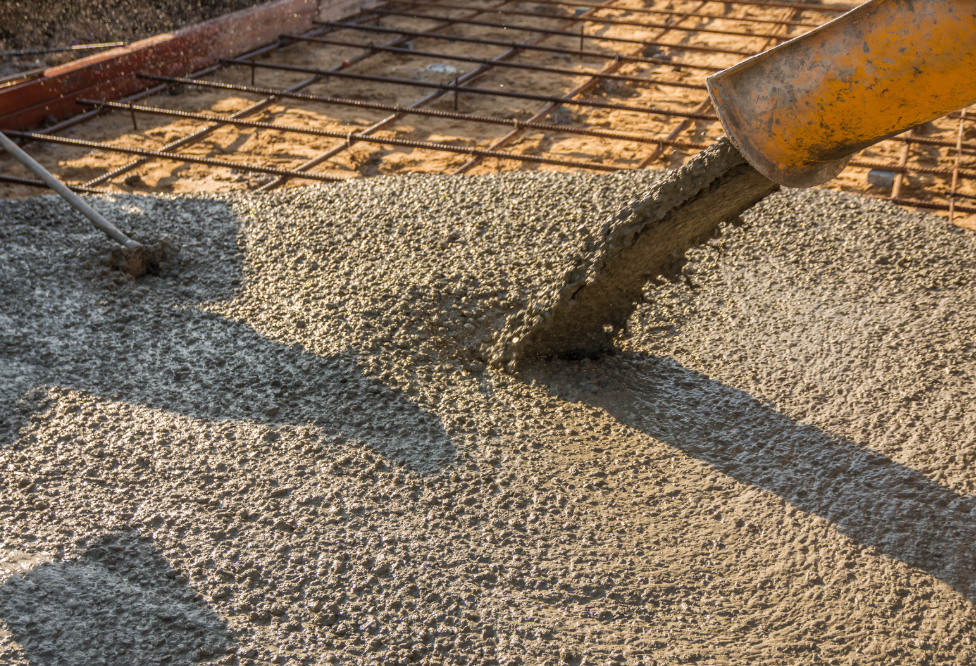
[(290, 150)]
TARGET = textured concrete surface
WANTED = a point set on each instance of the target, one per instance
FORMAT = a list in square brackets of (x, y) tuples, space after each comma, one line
[(583, 314), (286, 449)]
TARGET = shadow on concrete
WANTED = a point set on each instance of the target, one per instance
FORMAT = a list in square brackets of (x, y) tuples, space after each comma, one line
[(208, 367), (864, 495), (192, 362), (118, 603), (211, 368)]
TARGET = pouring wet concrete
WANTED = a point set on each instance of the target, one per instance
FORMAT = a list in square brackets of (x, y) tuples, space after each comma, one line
[(643, 241), (292, 441)]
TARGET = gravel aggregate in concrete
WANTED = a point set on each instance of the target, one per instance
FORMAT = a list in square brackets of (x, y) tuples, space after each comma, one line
[(582, 314), (286, 449)]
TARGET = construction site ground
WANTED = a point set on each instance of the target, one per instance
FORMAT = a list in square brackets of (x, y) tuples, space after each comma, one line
[(288, 150), (283, 446)]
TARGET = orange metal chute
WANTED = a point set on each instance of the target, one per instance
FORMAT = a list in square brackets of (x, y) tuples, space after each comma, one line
[(799, 111)]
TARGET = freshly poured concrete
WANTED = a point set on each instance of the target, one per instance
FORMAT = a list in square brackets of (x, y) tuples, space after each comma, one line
[(581, 315), (292, 432)]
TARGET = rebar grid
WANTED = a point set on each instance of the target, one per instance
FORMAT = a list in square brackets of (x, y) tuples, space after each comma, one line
[(580, 52), (567, 98), (477, 72), (350, 137), (600, 20), (471, 90), (438, 55), (250, 110), (546, 127), (667, 12), (643, 51)]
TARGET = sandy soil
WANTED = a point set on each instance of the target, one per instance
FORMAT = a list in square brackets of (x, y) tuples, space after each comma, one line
[(286, 449), (289, 150)]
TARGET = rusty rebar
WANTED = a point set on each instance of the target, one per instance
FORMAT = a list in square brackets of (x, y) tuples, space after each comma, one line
[(173, 157), (567, 33), (955, 166), (552, 106), (149, 92), (798, 6), (30, 182), (648, 11), (830, 9), (395, 108), (254, 108), (909, 168), (353, 137), (930, 205), (187, 140), (701, 107), (478, 71), (318, 159), (448, 87), (638, 80), (594, 19), (899, 179), (601, 55)]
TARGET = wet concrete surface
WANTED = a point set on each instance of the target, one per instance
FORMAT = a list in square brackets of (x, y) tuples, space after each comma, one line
[(642, 242), (293, 431), (118, 601)]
